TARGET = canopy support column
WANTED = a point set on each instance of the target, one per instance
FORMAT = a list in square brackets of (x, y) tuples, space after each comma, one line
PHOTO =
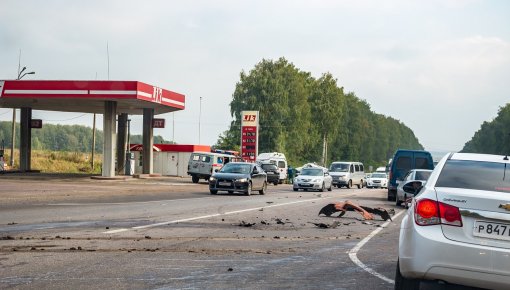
[(109, 130), (148, 141), (121, 142), (25, 142)]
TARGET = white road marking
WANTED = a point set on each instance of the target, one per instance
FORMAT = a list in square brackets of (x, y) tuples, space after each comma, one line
[(208, 216), (353, 252), (127, 202)]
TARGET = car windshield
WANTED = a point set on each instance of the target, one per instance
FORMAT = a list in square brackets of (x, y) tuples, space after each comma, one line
[(236, 168), (339, 167), (478, 175), (422, 175), (312, 172), (379, 175)]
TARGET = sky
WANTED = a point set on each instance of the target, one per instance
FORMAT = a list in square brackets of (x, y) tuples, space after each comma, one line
[(442, 67)]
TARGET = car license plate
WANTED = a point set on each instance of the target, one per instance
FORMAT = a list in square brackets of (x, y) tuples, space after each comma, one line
[(225, 183), (492, 230)]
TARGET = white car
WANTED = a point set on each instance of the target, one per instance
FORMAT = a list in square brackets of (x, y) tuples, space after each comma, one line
[(377, 179), (457, 229), (414, 174), (313, 178)]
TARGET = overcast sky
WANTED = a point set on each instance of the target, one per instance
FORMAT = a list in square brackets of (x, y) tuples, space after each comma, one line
[(440, 67)]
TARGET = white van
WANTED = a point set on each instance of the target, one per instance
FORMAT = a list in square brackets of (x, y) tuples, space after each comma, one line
[(347, 174), (276, 158), (204, 164)]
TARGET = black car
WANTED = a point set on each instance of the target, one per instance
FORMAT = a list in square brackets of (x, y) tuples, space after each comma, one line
[(239, 177), (273, 175)]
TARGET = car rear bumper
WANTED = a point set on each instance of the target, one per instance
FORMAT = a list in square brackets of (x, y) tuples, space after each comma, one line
[(425, 253)]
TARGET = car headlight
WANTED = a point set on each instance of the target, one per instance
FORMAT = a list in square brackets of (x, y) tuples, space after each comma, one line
[(317, 180), (242, 180), (212, 178)]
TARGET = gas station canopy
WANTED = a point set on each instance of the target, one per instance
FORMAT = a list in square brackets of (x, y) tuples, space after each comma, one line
[(88, 96), (110, 98)]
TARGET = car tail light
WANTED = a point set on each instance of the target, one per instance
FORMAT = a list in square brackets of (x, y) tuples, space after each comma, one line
[(431, 212)]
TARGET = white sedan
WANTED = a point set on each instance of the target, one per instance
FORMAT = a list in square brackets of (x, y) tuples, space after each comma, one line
[(379, 180), (457, 229), (313, 178)]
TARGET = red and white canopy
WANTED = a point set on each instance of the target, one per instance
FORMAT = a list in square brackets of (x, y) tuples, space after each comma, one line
[(88, 96)]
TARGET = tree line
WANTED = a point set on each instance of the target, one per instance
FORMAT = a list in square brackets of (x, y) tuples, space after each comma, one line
[(493, 137), (72, 138), (310, 119)]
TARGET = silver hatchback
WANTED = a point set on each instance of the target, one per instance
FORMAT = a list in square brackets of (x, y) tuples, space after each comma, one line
[(457, 229)]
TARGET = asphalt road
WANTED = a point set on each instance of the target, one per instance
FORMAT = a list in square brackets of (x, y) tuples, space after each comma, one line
[(171, 234)]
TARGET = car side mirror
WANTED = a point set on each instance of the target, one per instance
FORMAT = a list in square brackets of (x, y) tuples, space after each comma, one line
[(255, 171), (216, 170), (413, 187)]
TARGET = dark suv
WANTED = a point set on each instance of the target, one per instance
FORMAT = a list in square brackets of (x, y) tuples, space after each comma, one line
[(273, 175)]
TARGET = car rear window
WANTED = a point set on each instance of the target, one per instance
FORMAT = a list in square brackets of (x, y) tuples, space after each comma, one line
[(404, 163), (478, 175), (422, 163), (267, 167)]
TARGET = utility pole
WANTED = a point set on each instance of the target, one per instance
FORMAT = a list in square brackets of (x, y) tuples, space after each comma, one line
[(13, 129), (199, 117), (93, 140)]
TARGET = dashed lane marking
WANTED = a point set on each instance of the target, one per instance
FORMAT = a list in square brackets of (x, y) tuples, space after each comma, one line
[(208, 216), (354, 251)]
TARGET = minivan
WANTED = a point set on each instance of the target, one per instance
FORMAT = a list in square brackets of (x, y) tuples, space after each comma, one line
[(347, 174), (403, 161), (204, 164)]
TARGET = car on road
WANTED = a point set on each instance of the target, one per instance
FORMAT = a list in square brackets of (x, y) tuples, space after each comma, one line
[(415, 174), (347, 174), (313, 178), (403, 161), (457, 229), (204, 164), (273, 174), (239, 177), (377, 180)]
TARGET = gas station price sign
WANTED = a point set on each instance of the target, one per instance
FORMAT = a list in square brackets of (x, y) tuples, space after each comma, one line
[(249, 135)]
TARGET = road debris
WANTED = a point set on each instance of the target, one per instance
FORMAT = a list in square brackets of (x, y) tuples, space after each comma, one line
[(326, 226), (366, 212), (245, 224)]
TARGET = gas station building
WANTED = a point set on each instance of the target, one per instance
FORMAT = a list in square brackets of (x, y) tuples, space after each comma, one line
[(110, 98)]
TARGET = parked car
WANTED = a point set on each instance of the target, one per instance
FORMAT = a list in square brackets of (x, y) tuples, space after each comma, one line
[(273, 174), (239, 177), (204, 164), (457, 229), (403, 161), (347, 174), (313, 178), (378, 180), (278, 159), (415, 174)]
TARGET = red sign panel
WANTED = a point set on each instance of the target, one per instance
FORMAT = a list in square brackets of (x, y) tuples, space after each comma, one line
[(36, 123), (158, 123), (249, 143)]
